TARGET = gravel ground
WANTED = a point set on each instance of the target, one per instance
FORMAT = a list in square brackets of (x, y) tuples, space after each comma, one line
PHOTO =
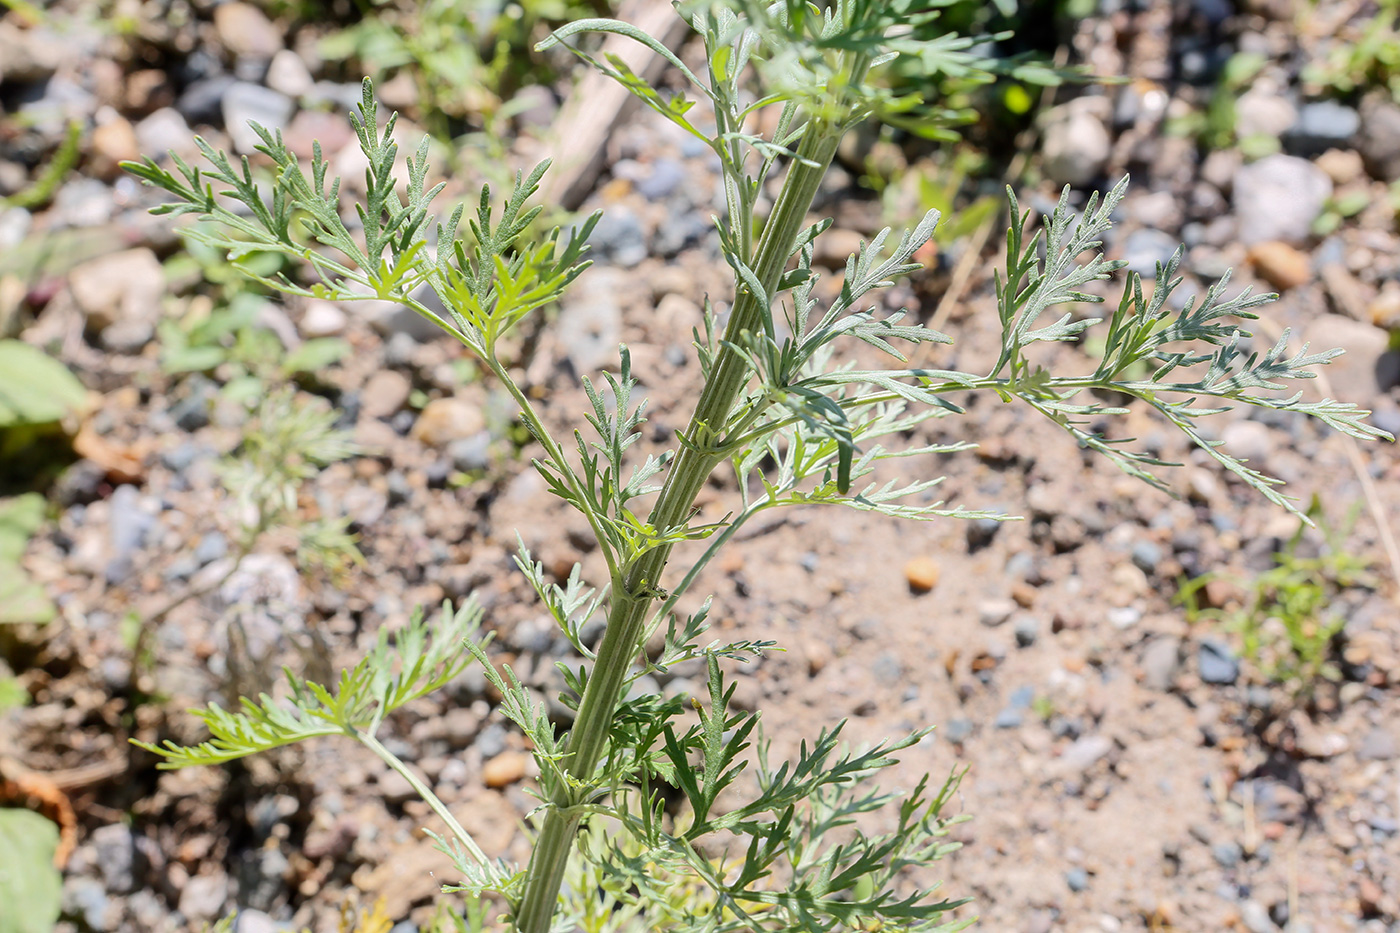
[(1129, 769)]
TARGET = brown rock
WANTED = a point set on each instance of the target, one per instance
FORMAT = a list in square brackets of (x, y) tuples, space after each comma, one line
[(119, 287), (1343, 166), (113, 142), (385, 393), (445, 420), (246, 31), (922, 574), (1384, 310), (1281, 265), (505, 769)]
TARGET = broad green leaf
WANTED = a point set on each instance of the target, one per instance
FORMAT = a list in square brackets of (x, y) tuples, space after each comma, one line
[(20, 517), (35, 388), (31, 889)]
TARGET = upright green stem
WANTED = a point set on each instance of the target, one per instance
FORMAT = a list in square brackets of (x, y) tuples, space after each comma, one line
[(692, 466)]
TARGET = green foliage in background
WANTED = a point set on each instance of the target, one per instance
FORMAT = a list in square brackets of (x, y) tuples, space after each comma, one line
[(39, 398), (227, 337), (31, 889), (1372, 60), (466, 60), (21, 599), (1290, 621)]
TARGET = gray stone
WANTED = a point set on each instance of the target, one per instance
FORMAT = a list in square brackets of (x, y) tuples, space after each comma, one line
[(1227, 854), (202, 101), (163, 131), (203, 897), (84, 899), (958, 730), (1255, 917), (665, 177), (116, 857), (1075, 146), (619, 239), (1077, 879), (1248, 440), (1260, 112), (1009, 719), (211, 547), (1027, 629), (1278, 198), (82, 202), (245, 102), (1379, 139), (288, 74), (28, 55), (1355, 375), (980, 532), (1160, 662), (322, 319), (1218, 664), (1146, 555), (1083, 754), (131, 521), (1379, 745), (1143, 249), (1322, 125), (590, 321)]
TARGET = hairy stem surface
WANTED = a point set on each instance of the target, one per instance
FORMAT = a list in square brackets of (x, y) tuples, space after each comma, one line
[(693, 465)]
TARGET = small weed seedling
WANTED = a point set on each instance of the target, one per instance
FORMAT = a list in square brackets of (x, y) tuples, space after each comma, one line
[(1286, 624), (784, 406)]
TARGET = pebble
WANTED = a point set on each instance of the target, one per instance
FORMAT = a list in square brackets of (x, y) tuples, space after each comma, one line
[(1379, 139), (255, 921), (1248, 440), (619, 239), (994, 612), (1322, 125), (1009, 719), (1077, 880), (590, 321), (387, 392), (1379, 744), (958, 730), (1143, 249), (445, 420), (123, 286), (980, 532), (116, 857), (203, 897), (1354, 375), (471, 454), (114, 142), (1227, 854), (130, 524), (1075, 146), (322, 319), (1146, 555), (202, 101), (287, 74), (922, 574), (1123, 618), (1255, 917), (505, 769), (84, 897), (212, 547), (244, 102), (1261, 112), (246, 31), (1027, 629), (1218, 664), (1278, 198), (1281, 265), (1083, 753), (163, 131), (1161, 661)]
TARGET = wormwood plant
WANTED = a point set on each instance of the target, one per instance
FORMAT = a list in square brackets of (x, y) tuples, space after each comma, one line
[(784, 406)]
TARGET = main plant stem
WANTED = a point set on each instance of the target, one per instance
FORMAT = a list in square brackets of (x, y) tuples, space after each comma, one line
[(695, 462)]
